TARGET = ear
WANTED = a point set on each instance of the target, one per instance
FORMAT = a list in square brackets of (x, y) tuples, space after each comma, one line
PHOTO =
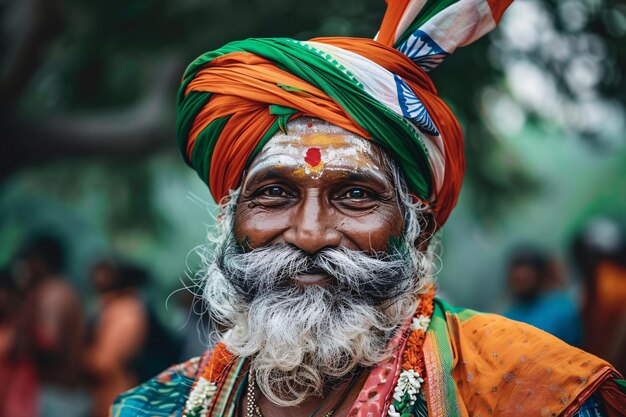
[(428, 227)]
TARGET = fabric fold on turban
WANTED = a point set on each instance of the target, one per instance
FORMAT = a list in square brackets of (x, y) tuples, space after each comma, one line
[(234, 99)]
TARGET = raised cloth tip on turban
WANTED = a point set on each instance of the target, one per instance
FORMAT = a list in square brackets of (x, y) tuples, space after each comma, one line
[(234, 99)]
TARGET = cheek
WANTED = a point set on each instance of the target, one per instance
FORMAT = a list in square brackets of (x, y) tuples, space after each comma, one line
[(258, 227), (373, 232)]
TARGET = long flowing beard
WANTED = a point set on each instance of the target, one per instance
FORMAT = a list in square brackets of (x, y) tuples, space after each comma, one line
[(298, 338)]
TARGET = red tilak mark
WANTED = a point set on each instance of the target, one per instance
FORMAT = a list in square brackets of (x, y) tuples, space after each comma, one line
[(313, 156), (310, 125)]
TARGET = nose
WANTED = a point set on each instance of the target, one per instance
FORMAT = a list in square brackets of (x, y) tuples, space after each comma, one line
[(313, 227)]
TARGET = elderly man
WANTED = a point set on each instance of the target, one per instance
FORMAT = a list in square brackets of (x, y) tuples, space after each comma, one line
[(334, 162)]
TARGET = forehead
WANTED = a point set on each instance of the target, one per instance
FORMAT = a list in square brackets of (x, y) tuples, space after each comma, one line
[(319, 149)]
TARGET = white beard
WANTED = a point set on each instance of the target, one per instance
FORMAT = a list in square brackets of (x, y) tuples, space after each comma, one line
[(298, 343), (299, 338)]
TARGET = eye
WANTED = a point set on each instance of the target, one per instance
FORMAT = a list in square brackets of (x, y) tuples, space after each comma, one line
[(357, 198), (357, 194), (274, 191), (274, 196)]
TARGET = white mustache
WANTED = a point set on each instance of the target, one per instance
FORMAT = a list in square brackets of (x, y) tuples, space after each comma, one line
[(375, 278)]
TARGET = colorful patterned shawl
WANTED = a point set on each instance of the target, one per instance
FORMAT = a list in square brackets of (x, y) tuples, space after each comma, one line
[(476, 365)]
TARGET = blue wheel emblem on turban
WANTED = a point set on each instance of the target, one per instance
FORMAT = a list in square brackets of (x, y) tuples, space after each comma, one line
[(412, 108), (422, 50)]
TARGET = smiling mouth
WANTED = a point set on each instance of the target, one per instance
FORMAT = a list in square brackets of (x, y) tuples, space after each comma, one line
[(314, 276)]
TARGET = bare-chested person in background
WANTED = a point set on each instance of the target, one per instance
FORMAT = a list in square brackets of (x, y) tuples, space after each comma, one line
[(53, 330)]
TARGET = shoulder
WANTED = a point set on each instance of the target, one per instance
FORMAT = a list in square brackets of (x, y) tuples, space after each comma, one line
[(163, 395), (518, 350), (56, 289), (124, 307), (504, 367)]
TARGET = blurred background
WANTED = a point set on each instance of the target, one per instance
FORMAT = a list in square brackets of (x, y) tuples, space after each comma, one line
[(99, 216)]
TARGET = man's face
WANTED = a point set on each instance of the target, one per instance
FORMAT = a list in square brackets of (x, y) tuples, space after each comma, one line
[(318, 266), (318, 190)]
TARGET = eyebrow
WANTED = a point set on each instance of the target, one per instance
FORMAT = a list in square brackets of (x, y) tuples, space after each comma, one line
[(368, 177), (269, 174)]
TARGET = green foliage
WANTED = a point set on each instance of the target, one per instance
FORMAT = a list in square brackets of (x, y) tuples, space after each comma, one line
[(122, 190)]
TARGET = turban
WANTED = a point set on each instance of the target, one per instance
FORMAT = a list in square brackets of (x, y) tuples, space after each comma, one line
[(234, 99)]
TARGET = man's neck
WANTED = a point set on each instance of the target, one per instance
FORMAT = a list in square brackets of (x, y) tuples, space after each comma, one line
[(340, 397)]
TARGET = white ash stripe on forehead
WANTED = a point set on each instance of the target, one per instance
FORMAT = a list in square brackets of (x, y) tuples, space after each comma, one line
[(280, 151), (311, 126)]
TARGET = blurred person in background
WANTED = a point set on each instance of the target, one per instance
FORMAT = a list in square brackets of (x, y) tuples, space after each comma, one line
[(334, 161), (537, 285), (53, 326), (18, 375), (599, 252), (126, 343)]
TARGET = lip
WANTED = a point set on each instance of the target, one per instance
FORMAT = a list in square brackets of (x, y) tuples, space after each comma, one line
[(313, 277)]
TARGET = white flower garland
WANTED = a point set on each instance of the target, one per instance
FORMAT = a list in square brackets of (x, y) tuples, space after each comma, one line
[(410, 381), (420, 323), (199, 399)]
